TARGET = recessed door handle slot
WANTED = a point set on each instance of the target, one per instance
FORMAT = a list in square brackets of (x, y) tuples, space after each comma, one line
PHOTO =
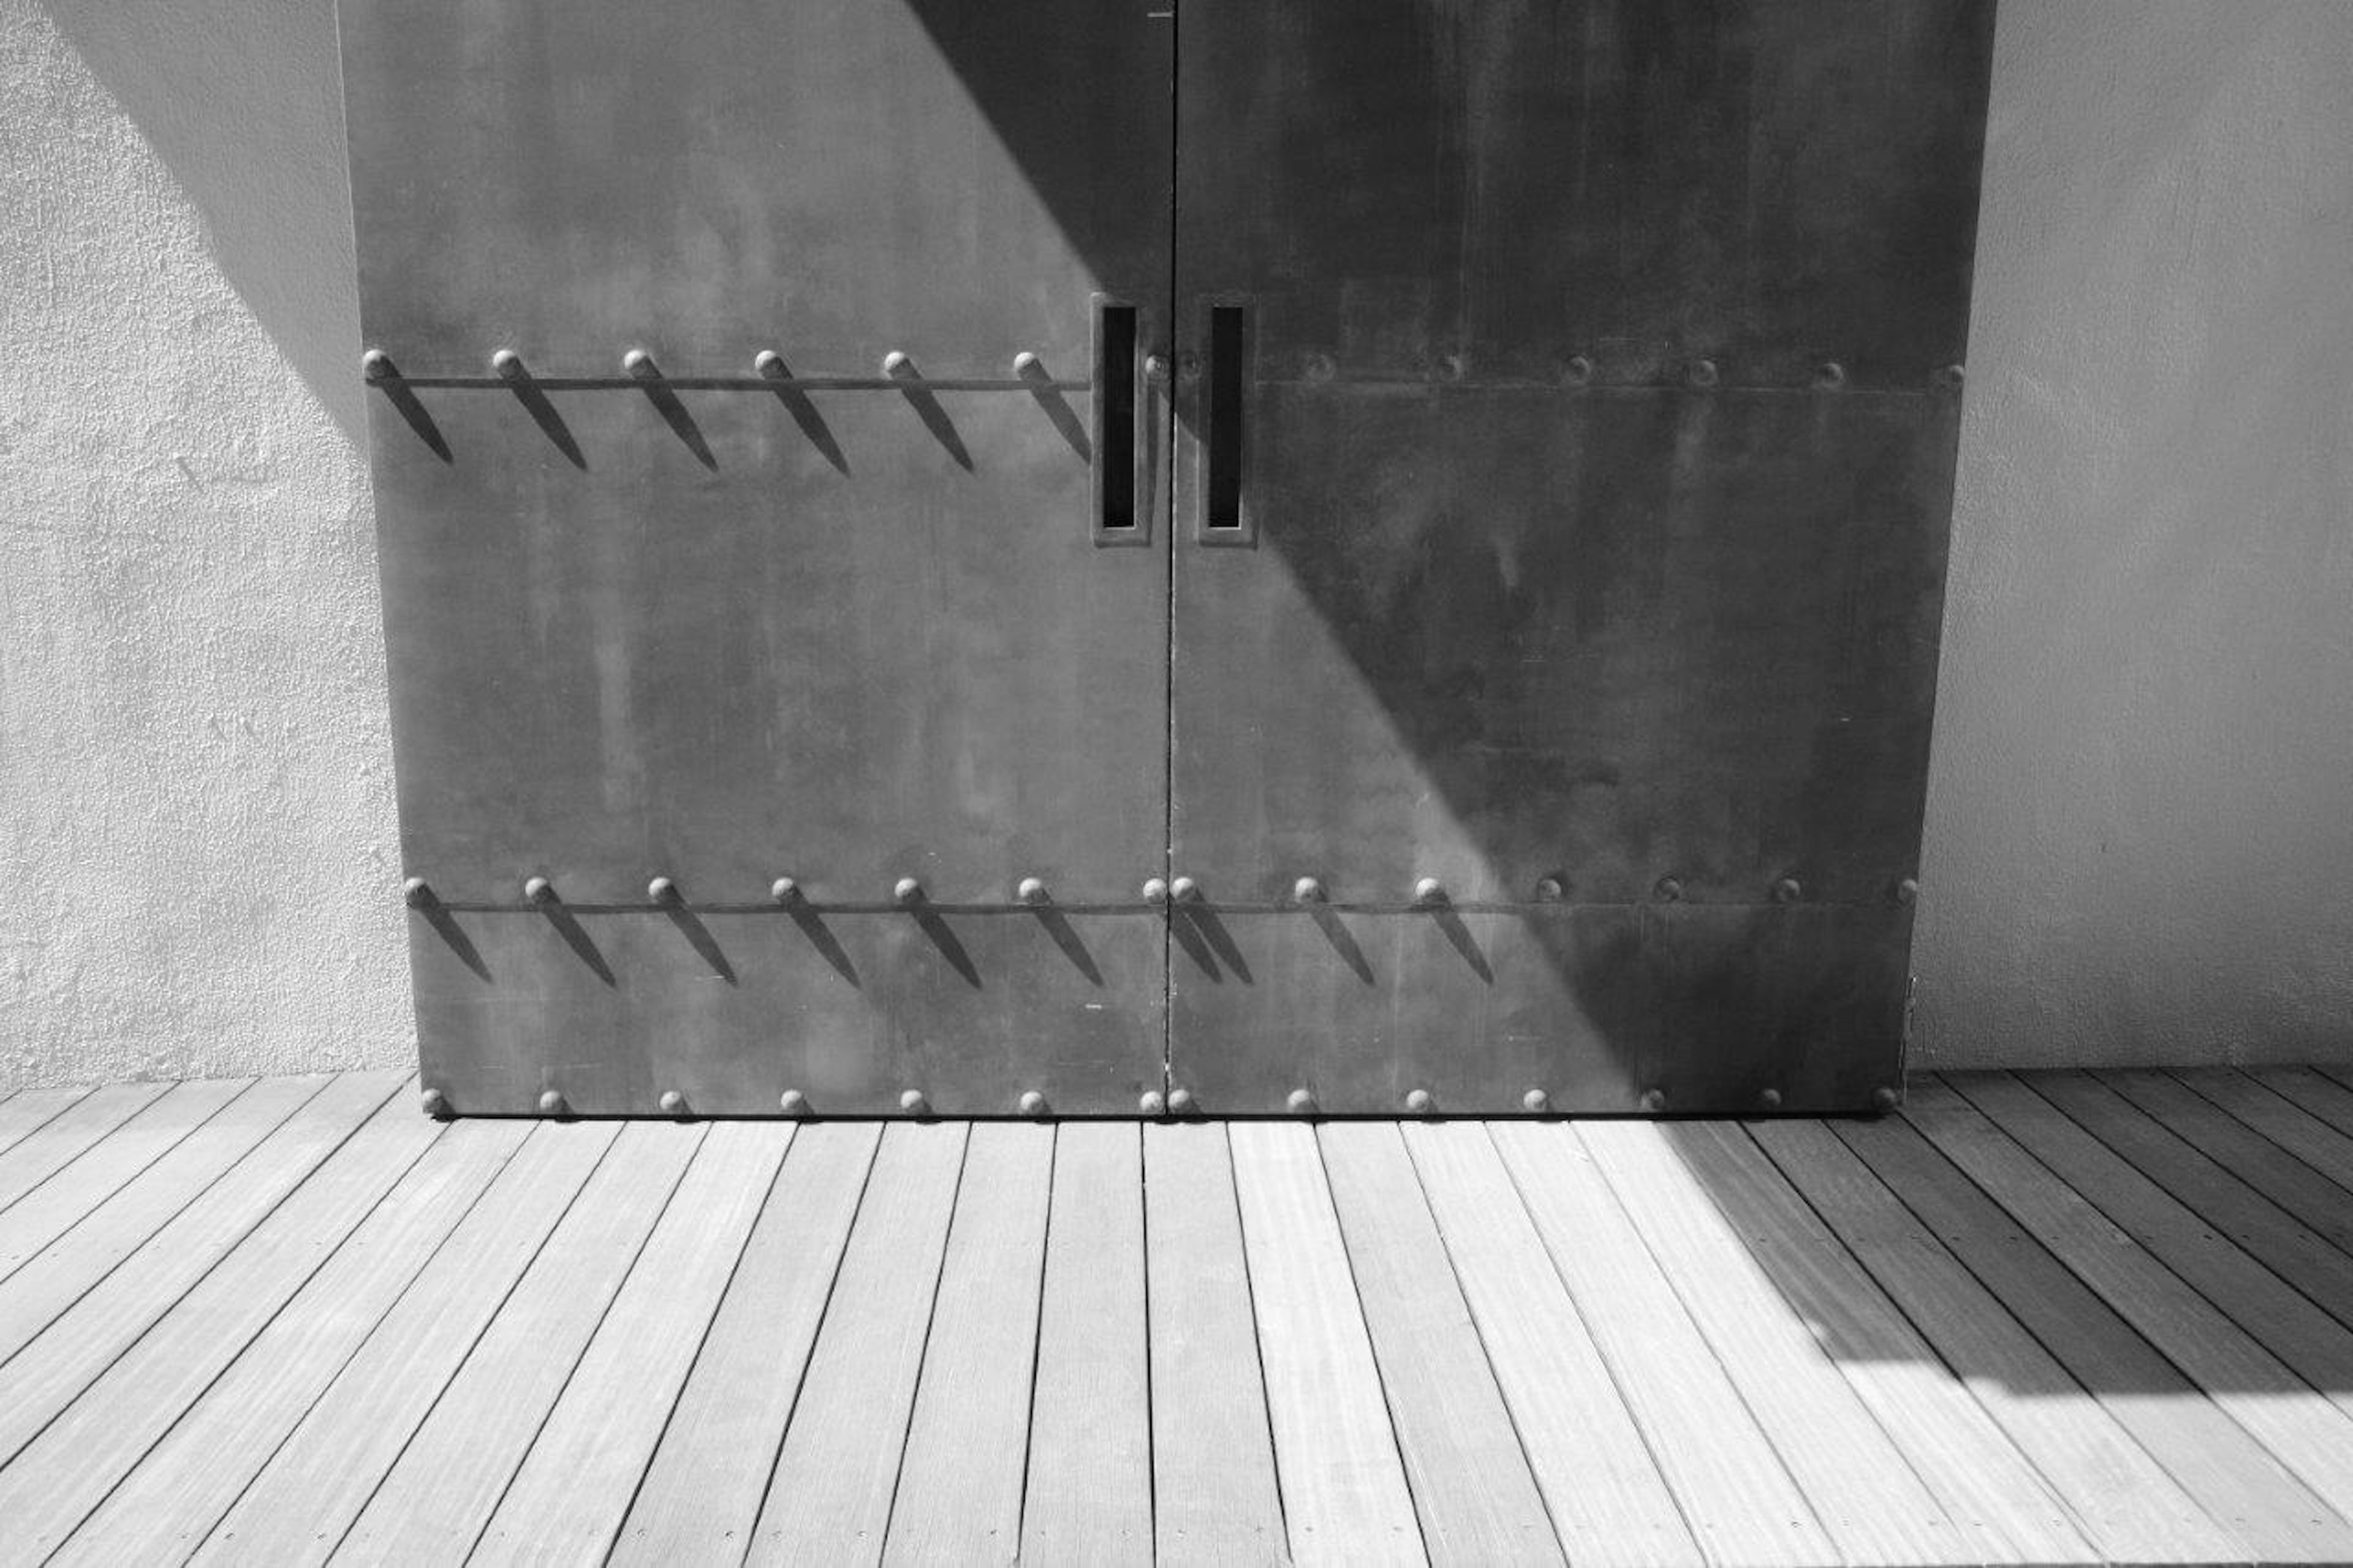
[(1222, 486), (1114, 398)]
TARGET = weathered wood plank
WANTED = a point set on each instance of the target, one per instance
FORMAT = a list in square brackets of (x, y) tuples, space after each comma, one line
[(228, 1346), (2325, 1091), (2329, 1152), (1090, 1489), (1471, 1486), (304, 1495), (567, 1502), (2132, 1509), (28, 1109), (1734, 1492), (1866, 1495), (2225, 1145), (65, 1355), (1601, 1484), (2279, 1409), (63, 1138), (1344, 1486), (959, 1498), (829, 1500), (700, 1496), (434, 1502), (55, 1278), (1212, 1446), (53, 1207)]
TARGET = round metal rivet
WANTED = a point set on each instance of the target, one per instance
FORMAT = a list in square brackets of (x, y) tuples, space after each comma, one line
[(1302, 1103), (1155, 368), (1319, 367), (1550, 890), (1907, 890), (1885, 1099), (1156, 891), (907, 890), (674, 1103), (1026, 364), (1703, 373), (1033, 1103), (1180, 1102), (1536, 1102), (662, 891), (1654, 1099), (1420, 1103), (896, 362), (508, 363), (1829, 375), (1579, 370), (551, 1103), (768, 363), (1453, 367), (1151, 1103), (437, 1104), (1307, 890), (1787, 891), (416, 893), (1771, 1100), (1670, 889), (793, 1102), (640, 364), (1183, 889), (1429, 890), (1032, 891), (914, 1103), (375, 364), (784, 891), (539, 890), (1951, 377)]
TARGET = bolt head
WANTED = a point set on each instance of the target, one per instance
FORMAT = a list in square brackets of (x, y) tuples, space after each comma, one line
[(1429, 890), (1654, 1099), (436, 1103), (551, 1103), (1183, 889), (1703, 373), (1026, 364), (1829, 375), (793, 1102), (1453, 367), (1033, 1103), (1156, 891), (1787, 891), (907, 890), (539, 890), (914, 1103), (1032, 890), (1319, 367), (1770, 1099), (417, 893), (1180, 1102), (376, 366), (1302, 1102), (1420, 1103), (1577, 372), (1950, 378), (1151, 1103), (508, 363), (1668, 889), (640, 364), (674, 1103), (896, 362), (784, 891), (1886, 1098), (768, 363), (1550, 890), (1907, 890), (1307, 890), (662, 891), (1535, 1102)]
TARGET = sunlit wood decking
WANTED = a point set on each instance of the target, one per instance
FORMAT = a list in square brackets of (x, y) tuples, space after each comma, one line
[(2044, 1319)]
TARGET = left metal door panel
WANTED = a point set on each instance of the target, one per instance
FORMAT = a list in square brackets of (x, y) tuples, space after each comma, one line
[(855, 627)]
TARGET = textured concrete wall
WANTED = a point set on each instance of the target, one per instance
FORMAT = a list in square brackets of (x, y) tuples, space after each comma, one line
[(2142, 807)]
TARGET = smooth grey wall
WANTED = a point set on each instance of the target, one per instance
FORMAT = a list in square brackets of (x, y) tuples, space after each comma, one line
[(2142, 804)]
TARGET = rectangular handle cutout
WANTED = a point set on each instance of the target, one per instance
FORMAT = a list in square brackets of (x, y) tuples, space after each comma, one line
[(1222, 488), (1114, 399)]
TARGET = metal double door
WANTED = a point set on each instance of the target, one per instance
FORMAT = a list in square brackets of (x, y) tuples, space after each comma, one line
[(1374, 556)]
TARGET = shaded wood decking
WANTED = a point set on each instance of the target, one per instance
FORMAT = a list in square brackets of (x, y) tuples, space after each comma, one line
[(2054, 1318)]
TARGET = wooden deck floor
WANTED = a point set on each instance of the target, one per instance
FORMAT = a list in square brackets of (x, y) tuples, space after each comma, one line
[(2058, 1317)]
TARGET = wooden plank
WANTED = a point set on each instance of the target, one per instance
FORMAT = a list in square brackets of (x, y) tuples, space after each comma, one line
[(30, 1110), (2325, 1091), (2229, 1146), (1600, 1482), (1212, 1447), (304, 1288), (304, 1495), (53, 1207), (2283, 1321), (2338, 1074), (1736, 1493), (2277, 1118), (2279, 1409), (1344, 1494), (567, 1502), (2226, 1202), (1990, 1490), (959, 1497), (829, 1500), (2132, 1510), (1866, 1495), (1471, 1487), (700, 1496), (62, 1140), (440, 1494), (62, 1358), (1089, 1498), (61, 1272)]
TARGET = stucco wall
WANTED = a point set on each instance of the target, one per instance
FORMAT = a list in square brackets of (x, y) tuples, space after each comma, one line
[(2142, 805)]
